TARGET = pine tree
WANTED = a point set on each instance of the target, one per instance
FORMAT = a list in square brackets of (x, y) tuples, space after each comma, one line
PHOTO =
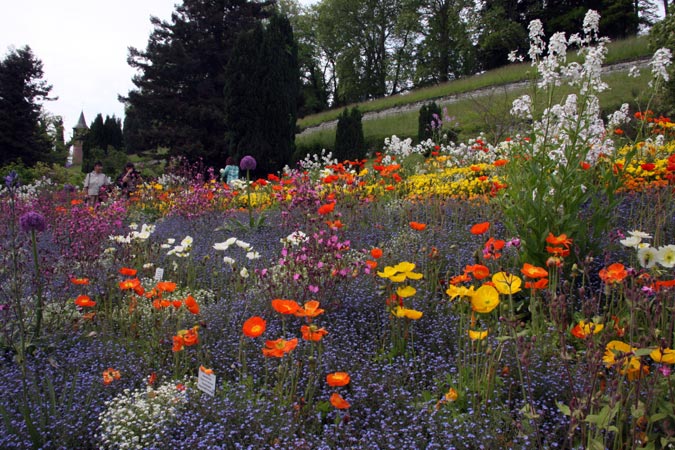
[(22, 91), (179, 97)]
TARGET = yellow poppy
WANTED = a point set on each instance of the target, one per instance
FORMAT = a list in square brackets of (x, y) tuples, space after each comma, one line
[(506, 283), (459, 291), (485, 299), (477, 335), (401, 312), (663, 355), (405, 292)]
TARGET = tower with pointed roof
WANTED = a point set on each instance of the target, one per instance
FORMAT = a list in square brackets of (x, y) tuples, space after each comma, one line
[(79, 131)]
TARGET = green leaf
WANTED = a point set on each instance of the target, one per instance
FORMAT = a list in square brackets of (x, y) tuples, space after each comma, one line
[(564, 408)]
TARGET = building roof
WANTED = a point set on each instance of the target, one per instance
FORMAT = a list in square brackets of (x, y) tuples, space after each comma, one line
[(81, 123)]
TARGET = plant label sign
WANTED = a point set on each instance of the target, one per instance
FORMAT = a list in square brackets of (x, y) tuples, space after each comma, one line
[(206, 381), (159, 274)]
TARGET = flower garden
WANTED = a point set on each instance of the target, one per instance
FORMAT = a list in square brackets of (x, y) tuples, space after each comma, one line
[(477, 295)]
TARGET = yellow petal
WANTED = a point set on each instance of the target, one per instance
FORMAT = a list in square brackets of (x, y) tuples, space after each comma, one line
[(485, 299), (506, 283), (477, 335), (405, 292)]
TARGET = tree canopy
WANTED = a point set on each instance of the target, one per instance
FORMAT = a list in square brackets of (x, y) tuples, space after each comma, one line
[(26, 132)]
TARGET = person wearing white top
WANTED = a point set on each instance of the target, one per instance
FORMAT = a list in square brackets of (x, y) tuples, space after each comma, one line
[(93, 183)]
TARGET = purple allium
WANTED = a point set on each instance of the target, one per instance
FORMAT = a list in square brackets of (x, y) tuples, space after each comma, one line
[(12, 180), (32, 221), (248, 163), (68, 187)]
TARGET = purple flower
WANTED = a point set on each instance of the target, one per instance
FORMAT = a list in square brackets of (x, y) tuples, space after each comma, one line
[(12, 180), (68, 187), (32, 221), (248, 163)]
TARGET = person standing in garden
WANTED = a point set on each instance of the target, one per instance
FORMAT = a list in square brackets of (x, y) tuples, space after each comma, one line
[(129, 179), (93, 183), (230, 172)]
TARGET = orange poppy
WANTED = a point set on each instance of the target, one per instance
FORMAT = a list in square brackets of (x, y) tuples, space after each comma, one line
[(615, 273), (480, 228), (310, 309), (254, 327), (283, 306), (89, 316), (128, 272), (479, 271), (460, 279), (177, 303), (130, 284), (84, 301), (336, 379), (279, 348), (558, 240), (191, 337), (166, 286), (417, 226), (531, 271), (312, 332), (110, 374), (191, 305), (178, 344), (76, 202), (335, 224), (558, 251), (376, 253), (584, 165), (500, 162), (327, 208), (338, 402), (79, 281), (539, 284), (152, 379), (371, 264)]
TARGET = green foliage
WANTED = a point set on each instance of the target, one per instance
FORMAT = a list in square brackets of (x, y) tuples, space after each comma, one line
[(99, 139), (349, 141), (24, 130), (427, 122)]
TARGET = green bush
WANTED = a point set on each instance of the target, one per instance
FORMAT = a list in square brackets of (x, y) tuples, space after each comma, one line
[(349, 141)]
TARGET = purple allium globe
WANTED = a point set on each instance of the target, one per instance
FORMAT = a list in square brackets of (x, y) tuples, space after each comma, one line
[(32, 221), (248, 163)]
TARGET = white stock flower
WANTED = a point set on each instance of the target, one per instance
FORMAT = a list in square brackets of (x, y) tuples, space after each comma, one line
[(522, 107), (618, 117), (591, 24), (660, 61), (634, 72), (536, 30)]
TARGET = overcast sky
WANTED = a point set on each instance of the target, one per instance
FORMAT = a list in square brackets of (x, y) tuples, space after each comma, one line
[(83, 46)]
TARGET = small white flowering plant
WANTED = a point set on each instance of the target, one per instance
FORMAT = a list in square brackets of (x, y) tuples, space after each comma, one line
[(138, 419)]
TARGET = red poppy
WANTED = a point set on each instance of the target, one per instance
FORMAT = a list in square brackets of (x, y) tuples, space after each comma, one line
[(371, 264), (584, 165), (254, 327), (335, 224), (127, 272), (79, 281), (130, 284), (191, 305), (327, 208), (500, 162), (283, 306), (479, 271), (480, 228), (83, 301), (336, 379), (166, 286), (338, 402), (178, 344), (539, 284), (152, 379), (177, 303), (279, 348), (110, 374), (417, 226), (558, 240), (376, 253), (648, 167), (191, 337)]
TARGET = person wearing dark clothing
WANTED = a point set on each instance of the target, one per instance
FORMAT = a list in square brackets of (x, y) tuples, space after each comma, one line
[(128, 180)]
